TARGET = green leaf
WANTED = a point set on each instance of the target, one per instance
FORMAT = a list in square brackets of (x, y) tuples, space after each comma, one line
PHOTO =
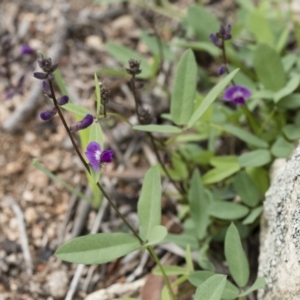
[(246, 189), (97, 248), (200, 46), (212, 288), (290, 102), (255, 158), (96, 134), (260, 178), (209, 23), (149, 204), (184, 89), (98, 94), (259, 26), (157, 128), (292, 132), (287, 89), (157, 234), (227, 210), (210, 98), (199, 204), (77, 110), (259, 283), (254, 214), (283, 39), (245, 136), (182, 240), (171, 271), (268, 67), (60, 83), (236, 257), (282, 148), (221, 172), (198, 277), (123, 54)]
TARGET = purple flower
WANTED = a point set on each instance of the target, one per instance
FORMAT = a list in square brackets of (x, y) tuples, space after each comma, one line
[(26, 49), (236, 94), (84, 123), (46, 88), (97, 157), (215, 40)]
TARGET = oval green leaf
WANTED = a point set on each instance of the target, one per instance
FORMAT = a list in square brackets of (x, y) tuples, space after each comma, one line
[(183, 93), (157, 234), (149, 204), (281, 148), (212, 288), (270, 74), (227, 210), (236, 257), (255, 158), (97, 248), (246, 189), (199, 204), (245, 136)]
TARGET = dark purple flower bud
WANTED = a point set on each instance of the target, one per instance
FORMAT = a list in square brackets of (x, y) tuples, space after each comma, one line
[(84, 123), (26, 49), (46, 88), (48, 114), (40, 75), (227, 33), (46, 65), (236, 94), (215, 40), (134, 67), (63, 100), (222, 70), (96, 157)]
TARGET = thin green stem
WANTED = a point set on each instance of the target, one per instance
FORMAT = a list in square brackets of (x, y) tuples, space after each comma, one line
[(252, 121), (166, 279)]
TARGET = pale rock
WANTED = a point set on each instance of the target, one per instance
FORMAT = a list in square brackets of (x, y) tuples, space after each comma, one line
[(58, 283), (279, 260)]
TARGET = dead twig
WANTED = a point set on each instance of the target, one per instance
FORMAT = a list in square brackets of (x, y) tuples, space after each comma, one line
[(23, 236)]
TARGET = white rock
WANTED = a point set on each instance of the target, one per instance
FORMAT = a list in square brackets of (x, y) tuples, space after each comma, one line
[(279, 261)]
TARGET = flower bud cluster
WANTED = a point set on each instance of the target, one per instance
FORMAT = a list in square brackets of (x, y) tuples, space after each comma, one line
[(223, 34)]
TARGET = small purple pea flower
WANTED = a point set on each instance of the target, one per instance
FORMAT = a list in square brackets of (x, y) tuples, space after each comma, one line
[(84, 123), (96, 157), (46, 88), (26, 49), (236, 94)]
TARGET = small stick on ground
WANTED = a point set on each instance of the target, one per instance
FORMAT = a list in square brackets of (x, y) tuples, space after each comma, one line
[(23, 236)]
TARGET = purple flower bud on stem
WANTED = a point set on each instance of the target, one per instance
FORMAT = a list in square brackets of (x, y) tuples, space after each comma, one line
[(40, 75), (63, 100), (215, 40), (46, 88), (222, 70), (48, 114), (84, 123)]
